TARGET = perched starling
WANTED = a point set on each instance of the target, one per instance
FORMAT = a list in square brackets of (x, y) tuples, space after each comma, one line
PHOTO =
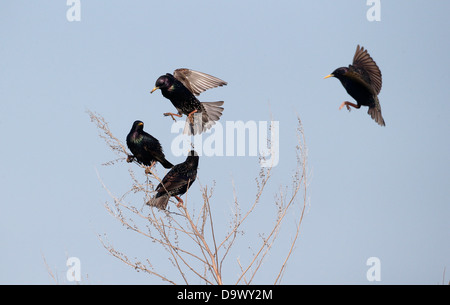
[(176, 182), (181, 89), (145, 148), (362, 80)]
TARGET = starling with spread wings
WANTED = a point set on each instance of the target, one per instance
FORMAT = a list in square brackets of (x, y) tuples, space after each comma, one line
[(144, 147), (181, 89), (362, 80), (176, 182)]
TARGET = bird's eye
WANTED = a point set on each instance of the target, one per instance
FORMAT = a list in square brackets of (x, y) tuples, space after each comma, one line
[(160, 82)]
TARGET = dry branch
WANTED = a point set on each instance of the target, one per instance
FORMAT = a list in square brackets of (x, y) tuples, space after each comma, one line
[(194, 247)]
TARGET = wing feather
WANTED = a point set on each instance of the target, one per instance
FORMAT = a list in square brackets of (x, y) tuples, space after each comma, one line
[(197, 82), (363, 61), (176, 178)]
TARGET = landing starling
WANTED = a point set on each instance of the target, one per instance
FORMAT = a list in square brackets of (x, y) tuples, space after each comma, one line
[(144, 147), (362, 80), (181, 89), (176, 182)]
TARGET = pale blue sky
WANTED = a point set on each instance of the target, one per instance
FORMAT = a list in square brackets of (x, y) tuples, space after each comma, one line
[(373, 191)]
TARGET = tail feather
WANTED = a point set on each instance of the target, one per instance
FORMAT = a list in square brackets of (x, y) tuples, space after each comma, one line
[(166, 164), (211, 113), (376, 115), (159, 202), (375, 112)]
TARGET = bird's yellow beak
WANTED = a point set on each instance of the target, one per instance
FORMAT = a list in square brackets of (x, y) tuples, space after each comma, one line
[(154, 89), (329, 75)]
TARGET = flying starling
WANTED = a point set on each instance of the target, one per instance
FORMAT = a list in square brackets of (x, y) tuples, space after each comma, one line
[(362, 80), (176, 182), (181, 89), (144, 147)]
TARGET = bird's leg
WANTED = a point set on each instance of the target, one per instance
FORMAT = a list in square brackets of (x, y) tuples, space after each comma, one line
[(130, 158), (180, 202), (148, 169), (348, 104), (190, 116), (172, 114)]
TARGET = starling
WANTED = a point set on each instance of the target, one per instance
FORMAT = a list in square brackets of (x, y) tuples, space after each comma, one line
[(176, 182), (144, 147), (181, 89), (362, 80)]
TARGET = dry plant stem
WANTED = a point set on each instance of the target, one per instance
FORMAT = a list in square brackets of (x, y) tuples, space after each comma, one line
[(201, 240), (236, 220), (265, 244), (299, 180), (194, 250), (176, 252), (106, 134), (135, 265), (239, 223), (206, 199), (49, 270), (301, 170)]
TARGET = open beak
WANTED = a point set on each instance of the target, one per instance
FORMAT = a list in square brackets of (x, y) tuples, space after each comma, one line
[(329, 75), (154, 89)]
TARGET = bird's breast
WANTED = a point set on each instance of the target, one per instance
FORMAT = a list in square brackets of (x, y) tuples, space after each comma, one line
[(136, 138)]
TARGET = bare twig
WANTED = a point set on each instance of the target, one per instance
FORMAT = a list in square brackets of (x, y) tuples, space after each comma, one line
[(191, 242)]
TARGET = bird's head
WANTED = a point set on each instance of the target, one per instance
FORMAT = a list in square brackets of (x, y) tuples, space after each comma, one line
[(338, 73), (138, 126), (162, 82), (192, 158)]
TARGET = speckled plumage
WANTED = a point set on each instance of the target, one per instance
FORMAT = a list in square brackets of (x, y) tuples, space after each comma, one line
[(362, 80), (181, 89), (176, 182), (144, 147)]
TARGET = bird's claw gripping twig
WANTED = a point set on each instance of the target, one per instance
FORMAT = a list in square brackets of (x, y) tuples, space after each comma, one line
[(180, 202), (130, 158), (148, 169)]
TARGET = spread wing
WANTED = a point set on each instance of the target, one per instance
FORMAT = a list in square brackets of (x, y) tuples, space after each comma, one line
[(197, 82), (366, 66)]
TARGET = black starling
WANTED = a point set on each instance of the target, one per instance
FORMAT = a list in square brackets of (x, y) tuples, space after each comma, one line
[(176, 182), (362, 80), (144, 147), (181, 89)]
